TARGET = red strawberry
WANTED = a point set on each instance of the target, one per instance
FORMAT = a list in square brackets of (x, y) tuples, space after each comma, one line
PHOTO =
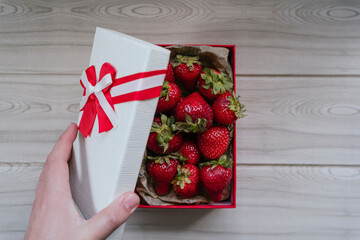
[(163, 139), (227, 108), (187, 182), (215, 177), (198, 110), (173, 111), (169, 76), (162, 170), (170, 95), (190, 151), (212, 83), (181, 100), (187, 71), (214, 142)]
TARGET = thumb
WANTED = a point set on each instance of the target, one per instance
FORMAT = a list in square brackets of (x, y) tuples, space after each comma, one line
[(110, 218)]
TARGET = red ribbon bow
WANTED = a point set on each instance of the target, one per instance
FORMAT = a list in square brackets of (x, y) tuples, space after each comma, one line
[(100, 96), (97, 99)]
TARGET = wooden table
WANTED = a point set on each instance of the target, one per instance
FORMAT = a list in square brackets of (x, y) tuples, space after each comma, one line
[(298, 69)]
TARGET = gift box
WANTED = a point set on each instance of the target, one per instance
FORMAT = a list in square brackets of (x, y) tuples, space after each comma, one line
[(121, 90), (216, 56)]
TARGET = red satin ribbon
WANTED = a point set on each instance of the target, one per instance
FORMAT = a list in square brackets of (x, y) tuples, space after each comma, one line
[(138, 95), (92, 106)]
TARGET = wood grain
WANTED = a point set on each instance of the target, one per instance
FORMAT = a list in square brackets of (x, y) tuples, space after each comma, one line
[(299, 120), (34, 110), (298, 75), (291, 120), (277, 37), (17, 193), (273, 202)]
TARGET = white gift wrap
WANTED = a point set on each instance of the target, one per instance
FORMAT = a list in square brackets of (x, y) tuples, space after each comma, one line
[(106, 165)]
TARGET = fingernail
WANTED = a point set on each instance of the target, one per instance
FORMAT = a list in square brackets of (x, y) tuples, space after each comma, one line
[(131, 201)]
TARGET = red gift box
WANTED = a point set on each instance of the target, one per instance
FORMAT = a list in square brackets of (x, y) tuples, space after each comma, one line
[(231, 203)]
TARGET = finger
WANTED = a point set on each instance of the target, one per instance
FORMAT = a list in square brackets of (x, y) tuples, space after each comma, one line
[(62, 149), (55, 174), (110, 218)]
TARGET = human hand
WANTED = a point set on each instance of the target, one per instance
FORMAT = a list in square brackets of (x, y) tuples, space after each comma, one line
[(54, 215)]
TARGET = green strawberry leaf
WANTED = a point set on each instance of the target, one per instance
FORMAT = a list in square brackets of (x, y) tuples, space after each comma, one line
[(218, 82), (216, 88), (222, 161), (188, 119), (171, 120), (160, 139), (236, 106), (189, 61), (181, 158), (207, 71), (165, 91), (192, 127), (165, 132), (154, 127), (163, 119)]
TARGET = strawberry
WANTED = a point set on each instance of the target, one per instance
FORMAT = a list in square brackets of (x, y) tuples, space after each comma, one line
[(190, 152), (227, 108), (170, 95), (212, 83), (187, 71), (181, 100), (169, 76), (173, 111), (163, 137), (162, 170), (214, 142), (200, 114), (216, 176), (187, 182)]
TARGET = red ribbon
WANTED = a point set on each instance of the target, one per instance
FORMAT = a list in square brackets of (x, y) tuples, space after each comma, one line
[(92, 106), (138, 95)]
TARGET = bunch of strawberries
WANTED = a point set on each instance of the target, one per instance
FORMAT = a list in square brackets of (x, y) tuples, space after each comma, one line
[(189, 135)]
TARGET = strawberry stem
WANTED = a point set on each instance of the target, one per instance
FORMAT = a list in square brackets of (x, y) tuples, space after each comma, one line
[(165, 131), (236, 106), (218, 82), (181, 177), (222, 161), (189, 61), (166, 158), (192, 127), (165, 91)]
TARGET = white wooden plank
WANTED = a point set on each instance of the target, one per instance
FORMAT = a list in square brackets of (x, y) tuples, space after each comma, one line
[(273, 202), (34, 110), (17, 193), (277, 37), (299, 120), (291, 120)]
